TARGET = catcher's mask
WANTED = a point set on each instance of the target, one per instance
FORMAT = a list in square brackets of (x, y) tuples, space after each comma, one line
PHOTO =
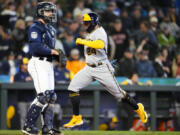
[(90, 19), (47, 6)]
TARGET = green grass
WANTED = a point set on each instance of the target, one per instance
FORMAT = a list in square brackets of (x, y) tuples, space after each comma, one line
[(17, 132)]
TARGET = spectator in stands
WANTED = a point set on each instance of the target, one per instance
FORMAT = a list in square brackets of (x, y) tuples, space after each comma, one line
[(20, 11), (18, 61), (79, 10), (164, 5), (154, 25), (126, 20), (116, 10), (120, 37), (166, 60), (59, 11), (28, 22), (68, 42), (1, 5), (59, 45), (24, 3), (61, 74), (132, 45), (9, 66), (67, 15), (152, 12), (10, 11), (165, 38), (74, 27), (176, 66), (108, 15), (127, 65), (172, 27), (173, 16), (74, 63), (147, 40), (136, 19), (18, 35), (160, 15), (89, 4), (30, 9), (23, 75), (161, 70), (61, 27), (144, 66), (5, 43), (99, 6)]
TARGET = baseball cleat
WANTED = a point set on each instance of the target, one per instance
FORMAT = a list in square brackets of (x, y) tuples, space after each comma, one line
[(142, 113), (30, 131), (75, 121), (52, 132)]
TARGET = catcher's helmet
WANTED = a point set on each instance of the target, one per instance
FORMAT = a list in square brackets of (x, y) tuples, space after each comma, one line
[(46, 6), (92, 19)]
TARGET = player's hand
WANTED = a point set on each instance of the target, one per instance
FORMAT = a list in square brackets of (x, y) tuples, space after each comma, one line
[(79, 41), (166, 69), (144, 41), (28, 79), (54, 52)]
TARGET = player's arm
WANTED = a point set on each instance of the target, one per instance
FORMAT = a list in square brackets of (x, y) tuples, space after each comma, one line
[(97, 44)]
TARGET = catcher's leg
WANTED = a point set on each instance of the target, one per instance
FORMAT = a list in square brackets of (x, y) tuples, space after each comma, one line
[(80, 80), (48, 115), (32, 115), (108, 80)]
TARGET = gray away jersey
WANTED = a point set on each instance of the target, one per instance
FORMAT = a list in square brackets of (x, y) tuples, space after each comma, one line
[(95, 55)]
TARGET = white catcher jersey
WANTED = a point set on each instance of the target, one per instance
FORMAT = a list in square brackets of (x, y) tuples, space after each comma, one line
[(95, 55)]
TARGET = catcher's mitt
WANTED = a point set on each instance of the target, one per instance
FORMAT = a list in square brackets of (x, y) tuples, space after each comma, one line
[(61, 58)]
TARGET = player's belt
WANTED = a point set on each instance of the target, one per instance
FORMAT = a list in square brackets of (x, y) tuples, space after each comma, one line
[(94, 65), (46, 58)]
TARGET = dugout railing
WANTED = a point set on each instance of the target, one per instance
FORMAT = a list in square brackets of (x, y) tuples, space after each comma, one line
[(96, 89)]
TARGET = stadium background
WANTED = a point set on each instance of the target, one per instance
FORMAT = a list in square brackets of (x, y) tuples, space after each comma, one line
[(144, 38)]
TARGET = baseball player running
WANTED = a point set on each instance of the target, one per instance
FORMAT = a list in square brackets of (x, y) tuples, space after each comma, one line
[(98, 68), (41, 37)]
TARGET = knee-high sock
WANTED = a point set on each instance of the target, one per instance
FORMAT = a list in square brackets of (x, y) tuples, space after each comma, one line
[(75, 100), (130, 101)]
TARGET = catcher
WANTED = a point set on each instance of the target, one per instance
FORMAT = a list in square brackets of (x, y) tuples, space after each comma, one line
[(98, 68), (41, 37)]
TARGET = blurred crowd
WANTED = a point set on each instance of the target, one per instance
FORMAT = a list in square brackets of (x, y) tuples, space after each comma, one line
[(144, 36)]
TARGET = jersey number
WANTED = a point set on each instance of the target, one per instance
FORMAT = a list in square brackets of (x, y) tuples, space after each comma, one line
[(91, 51)]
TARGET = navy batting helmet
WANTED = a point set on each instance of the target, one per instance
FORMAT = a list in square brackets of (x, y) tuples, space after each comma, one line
[(47, 6), (92, 19)]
